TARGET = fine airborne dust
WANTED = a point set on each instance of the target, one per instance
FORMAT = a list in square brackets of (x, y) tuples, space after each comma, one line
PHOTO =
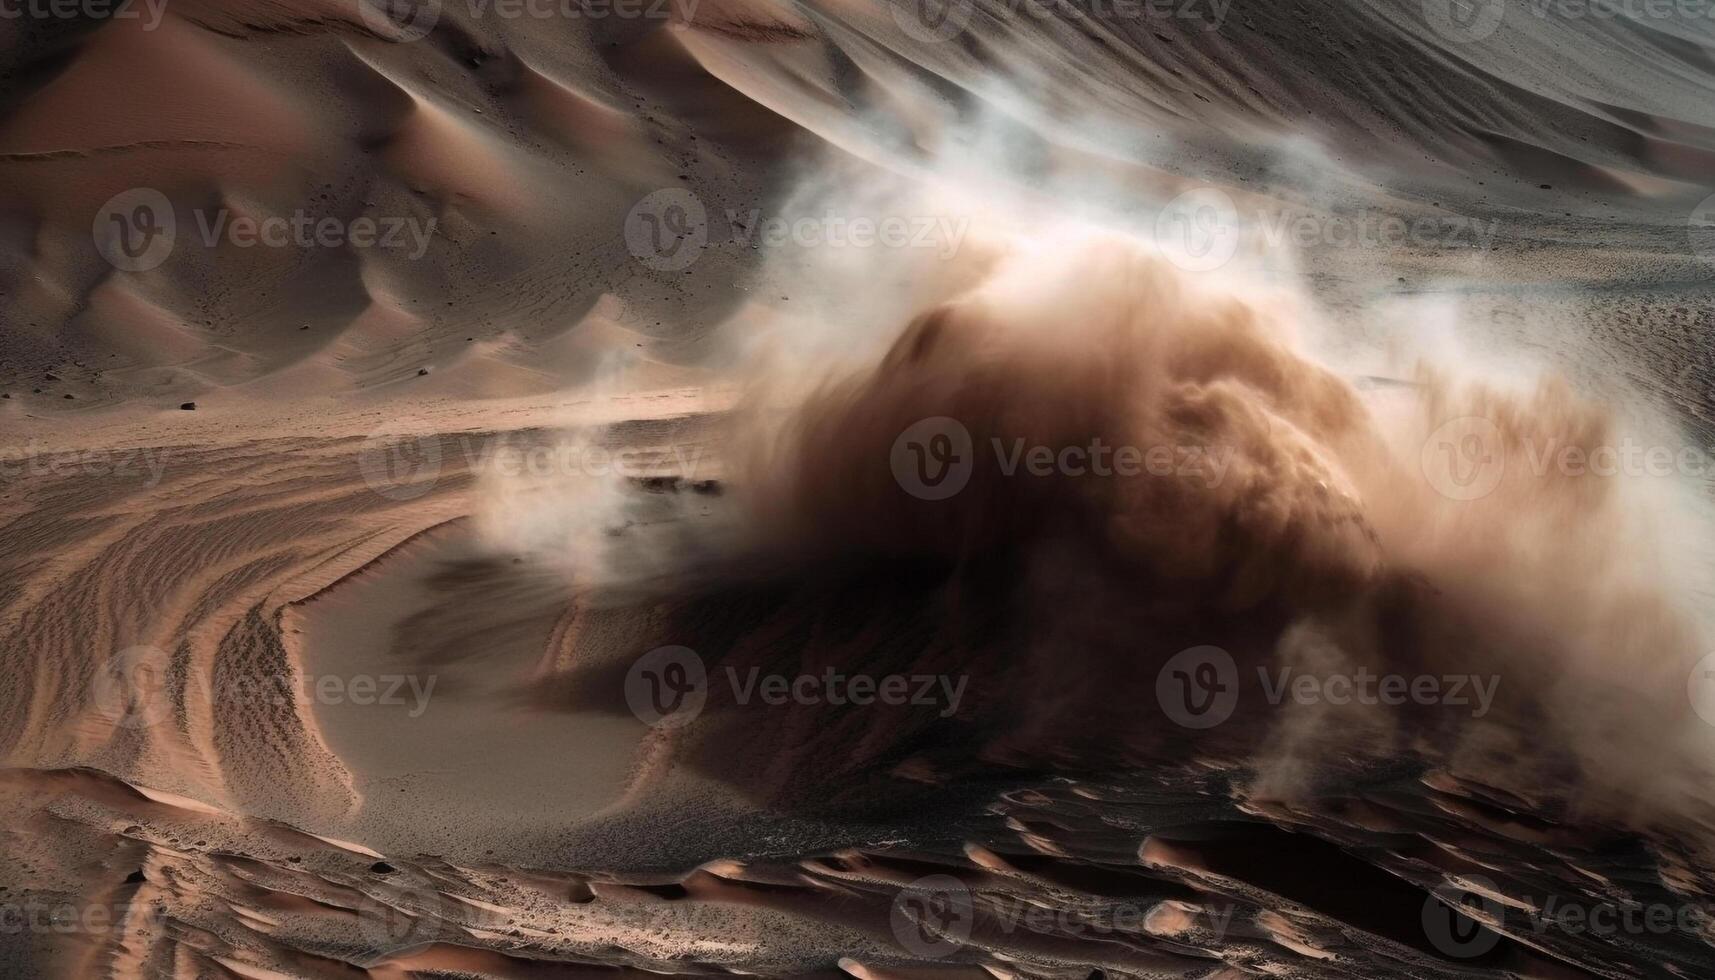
[(1272, 509)]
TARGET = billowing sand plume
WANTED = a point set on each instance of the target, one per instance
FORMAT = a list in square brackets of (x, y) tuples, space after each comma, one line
[(894, 518), (1090, 461), (1071, 346)]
